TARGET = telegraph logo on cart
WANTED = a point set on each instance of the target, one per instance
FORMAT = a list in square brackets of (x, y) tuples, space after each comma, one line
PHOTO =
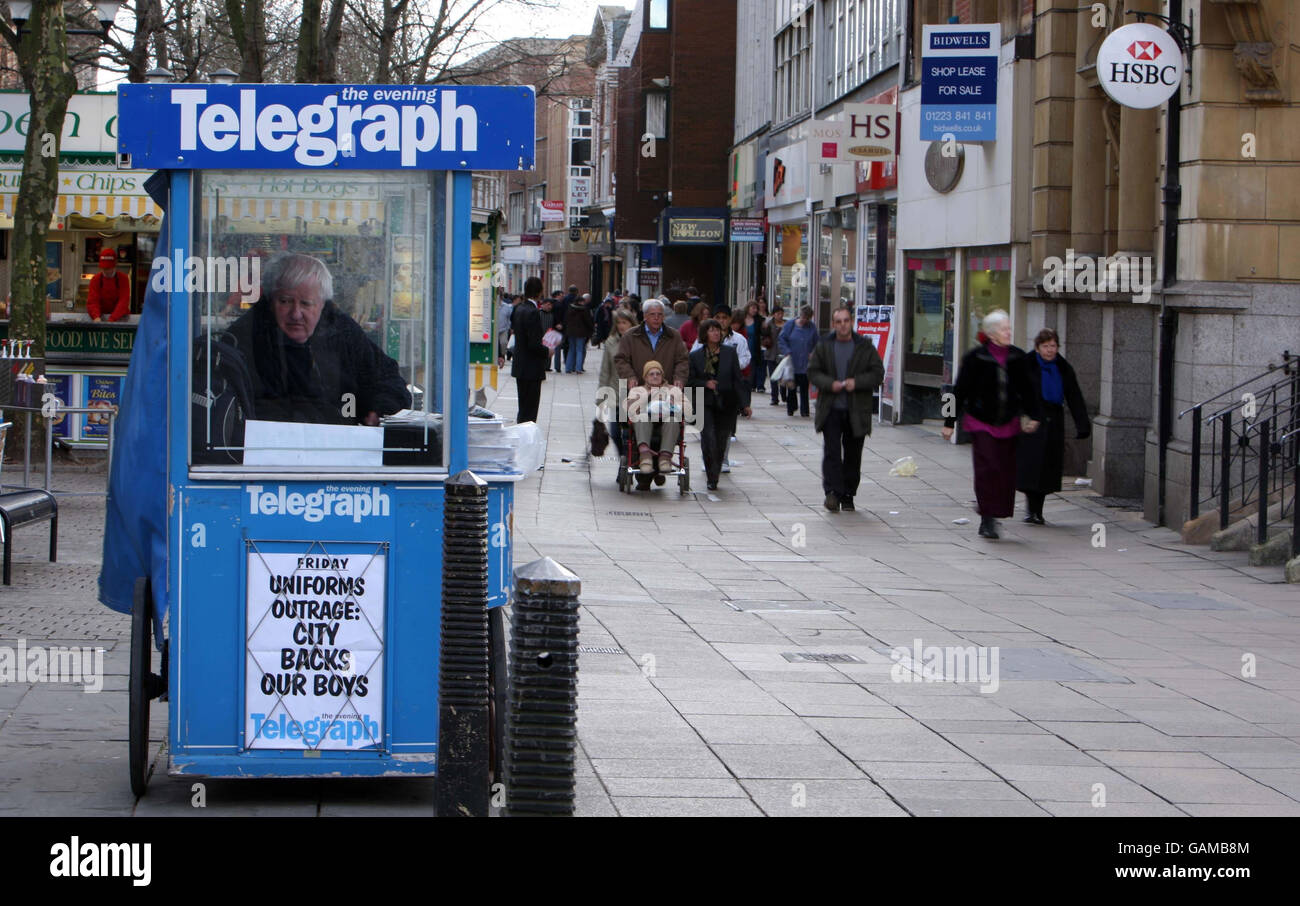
[(319, 133), (357, 502)]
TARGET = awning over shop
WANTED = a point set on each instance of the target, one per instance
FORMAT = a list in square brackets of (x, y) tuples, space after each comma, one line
[(111, 199), (295, 215)]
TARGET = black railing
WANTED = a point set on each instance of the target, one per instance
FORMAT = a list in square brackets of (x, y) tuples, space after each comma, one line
[(1251, 447)]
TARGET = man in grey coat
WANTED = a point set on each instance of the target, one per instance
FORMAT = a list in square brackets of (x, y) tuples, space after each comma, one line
[(846, 370)]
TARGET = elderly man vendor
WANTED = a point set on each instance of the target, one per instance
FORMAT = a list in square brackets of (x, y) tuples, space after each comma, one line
[(308, 361)]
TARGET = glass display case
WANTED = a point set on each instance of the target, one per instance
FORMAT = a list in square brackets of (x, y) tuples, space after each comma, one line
[(317, 309)]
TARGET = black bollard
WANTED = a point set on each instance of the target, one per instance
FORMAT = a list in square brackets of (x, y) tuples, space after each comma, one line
[(461, 787), (543, 718)]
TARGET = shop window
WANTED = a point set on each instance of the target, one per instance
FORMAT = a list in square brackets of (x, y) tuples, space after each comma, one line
[(931, 283), (791, 283), (315, 310), (987, 288)]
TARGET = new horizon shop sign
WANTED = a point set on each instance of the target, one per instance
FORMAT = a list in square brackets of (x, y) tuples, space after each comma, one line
[(696, 231), (959, 82), (347, 127)]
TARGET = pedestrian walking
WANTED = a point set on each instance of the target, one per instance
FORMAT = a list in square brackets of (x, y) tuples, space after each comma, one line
[(733, 337), (505, 308), (1040, 457), (578, 327), (715, 367), (529, 367), (608, 393), (603, 317), (771, 351), (846, 370), (754, 333), (995, 402), (797, 339), (559, 312), (652, 341), (691, 329), (681, 314)]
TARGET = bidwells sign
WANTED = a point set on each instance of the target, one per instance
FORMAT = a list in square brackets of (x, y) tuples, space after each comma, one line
[(1139, 66), (355, 127)]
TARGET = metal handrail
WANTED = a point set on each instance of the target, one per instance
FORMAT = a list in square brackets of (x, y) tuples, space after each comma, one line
[(110, 411), (1287, 360)]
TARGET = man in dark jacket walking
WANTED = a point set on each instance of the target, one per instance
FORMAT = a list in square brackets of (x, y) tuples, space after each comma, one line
[(846, 370), (531, 354)]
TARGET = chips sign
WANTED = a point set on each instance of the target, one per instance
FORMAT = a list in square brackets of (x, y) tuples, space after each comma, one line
[(1139, 66)]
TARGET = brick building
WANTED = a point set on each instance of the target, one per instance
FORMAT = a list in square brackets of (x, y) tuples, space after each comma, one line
[(674, 127)]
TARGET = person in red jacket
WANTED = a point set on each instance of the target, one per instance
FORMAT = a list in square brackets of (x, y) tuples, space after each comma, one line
[(110, 291)]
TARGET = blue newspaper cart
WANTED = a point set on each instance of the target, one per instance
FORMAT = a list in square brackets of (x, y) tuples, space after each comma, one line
[(288, 605)]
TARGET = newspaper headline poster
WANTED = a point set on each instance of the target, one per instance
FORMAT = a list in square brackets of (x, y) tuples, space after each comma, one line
[(315, 654), (875, 322)]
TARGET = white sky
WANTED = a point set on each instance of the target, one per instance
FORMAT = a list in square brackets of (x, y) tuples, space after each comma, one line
[(570, 17)]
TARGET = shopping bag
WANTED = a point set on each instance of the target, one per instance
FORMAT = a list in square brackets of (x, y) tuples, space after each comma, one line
[(784, 370), (552, 338), (599, 437)]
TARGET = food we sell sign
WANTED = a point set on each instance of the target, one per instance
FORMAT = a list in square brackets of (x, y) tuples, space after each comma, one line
[(315, 652)]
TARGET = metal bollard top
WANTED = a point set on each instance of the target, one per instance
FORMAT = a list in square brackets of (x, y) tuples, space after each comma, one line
[(466, 483), (546, 577)]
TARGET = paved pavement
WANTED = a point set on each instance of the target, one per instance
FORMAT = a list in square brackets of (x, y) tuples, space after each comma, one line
[(1134, 675)]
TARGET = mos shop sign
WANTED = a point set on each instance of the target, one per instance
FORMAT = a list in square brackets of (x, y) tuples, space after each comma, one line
[(352, 127), (1139, 66)]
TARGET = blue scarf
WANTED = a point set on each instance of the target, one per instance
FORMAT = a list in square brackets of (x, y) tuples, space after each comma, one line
[(1053, 387)]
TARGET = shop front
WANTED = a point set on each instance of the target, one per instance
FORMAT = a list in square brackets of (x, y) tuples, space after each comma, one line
[(747, 248), (102, 217), (789, 227)]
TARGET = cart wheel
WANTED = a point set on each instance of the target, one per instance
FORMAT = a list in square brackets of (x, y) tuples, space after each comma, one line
[(140, 685), (498, 695), (643, 482), (684, 478)]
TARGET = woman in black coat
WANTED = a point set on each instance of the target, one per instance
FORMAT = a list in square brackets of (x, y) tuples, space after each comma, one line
[(716, 368), (1040, 456), (992, 395)]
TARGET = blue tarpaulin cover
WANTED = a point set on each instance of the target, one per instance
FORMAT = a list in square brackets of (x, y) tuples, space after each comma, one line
[(135, 524)]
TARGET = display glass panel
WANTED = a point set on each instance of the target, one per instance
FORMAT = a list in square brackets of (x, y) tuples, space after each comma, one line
[(317, 311)]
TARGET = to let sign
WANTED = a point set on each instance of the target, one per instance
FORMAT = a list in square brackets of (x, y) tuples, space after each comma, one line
[(959, 82)]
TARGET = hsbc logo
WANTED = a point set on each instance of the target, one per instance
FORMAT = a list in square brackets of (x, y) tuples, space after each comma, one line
[(1139, 66), (1144, 50)]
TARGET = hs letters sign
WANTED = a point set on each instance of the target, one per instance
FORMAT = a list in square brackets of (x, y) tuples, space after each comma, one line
[(1140, 66), (867, 132)]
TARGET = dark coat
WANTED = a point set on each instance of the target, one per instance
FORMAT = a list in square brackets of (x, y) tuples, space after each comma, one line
[(634, 352), (727, 399), (578, 322), (1040, 456), (867, 371), (992, 394), (531, 355), (308, 382)]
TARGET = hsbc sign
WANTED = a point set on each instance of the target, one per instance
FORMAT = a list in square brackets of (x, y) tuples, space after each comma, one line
[(1140, 66)]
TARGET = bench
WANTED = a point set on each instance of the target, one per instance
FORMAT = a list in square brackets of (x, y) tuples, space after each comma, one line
[(23, 507)]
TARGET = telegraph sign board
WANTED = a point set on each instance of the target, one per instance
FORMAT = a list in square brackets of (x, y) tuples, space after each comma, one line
[(187, 126), (1139, 66), (959, 82)]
